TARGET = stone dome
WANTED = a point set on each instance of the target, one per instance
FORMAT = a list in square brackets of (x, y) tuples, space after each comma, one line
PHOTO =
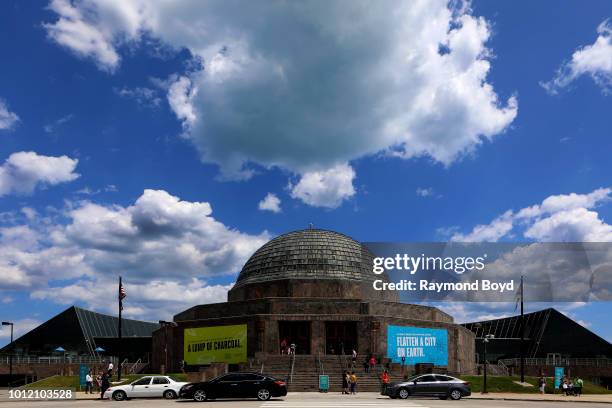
[(308, 263)]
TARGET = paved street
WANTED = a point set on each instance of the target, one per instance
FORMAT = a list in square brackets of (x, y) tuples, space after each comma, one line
[(315, 400)]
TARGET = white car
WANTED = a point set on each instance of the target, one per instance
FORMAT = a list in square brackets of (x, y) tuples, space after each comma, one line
[(152, 386)]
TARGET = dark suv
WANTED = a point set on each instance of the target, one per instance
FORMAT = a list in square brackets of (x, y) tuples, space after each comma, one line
[(235, 385), (430, 385)]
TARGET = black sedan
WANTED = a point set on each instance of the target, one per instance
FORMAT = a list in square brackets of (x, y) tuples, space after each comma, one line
[(235, 385), (430, 385)]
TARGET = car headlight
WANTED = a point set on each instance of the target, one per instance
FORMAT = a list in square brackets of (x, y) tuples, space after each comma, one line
[(186, 387)]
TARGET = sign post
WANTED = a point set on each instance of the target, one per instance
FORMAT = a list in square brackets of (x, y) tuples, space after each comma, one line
[(83, 370), (323, 383), (559, 373)]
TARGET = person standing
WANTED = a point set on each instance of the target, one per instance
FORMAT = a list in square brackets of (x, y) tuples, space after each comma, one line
[(353, 383), (372, 363), (105, 385), (385, 382), (542, 385), (578, 386), (89, 383), (354, 359), (344, 383), (110, 368), (283, 346)]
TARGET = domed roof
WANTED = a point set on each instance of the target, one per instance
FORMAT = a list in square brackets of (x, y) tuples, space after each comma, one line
[(308, 254)]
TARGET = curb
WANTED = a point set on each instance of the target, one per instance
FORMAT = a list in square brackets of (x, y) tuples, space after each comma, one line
[(537, 400)]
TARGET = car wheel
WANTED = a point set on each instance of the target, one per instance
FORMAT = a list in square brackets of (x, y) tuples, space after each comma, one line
[(455, 395), (169, 394), (199, 395), (403, 393), (263, 394), (119, 395)]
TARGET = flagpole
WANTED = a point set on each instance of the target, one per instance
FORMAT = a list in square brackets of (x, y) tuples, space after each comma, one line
[(119, 330), (522, 336)]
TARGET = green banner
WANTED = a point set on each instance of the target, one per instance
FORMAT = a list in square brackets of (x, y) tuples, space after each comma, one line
[(217, 344)]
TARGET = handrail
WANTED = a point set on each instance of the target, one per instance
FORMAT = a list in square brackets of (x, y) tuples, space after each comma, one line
[(292, 365), (320, 365), (136, 364), (563, 361), (262, 368)]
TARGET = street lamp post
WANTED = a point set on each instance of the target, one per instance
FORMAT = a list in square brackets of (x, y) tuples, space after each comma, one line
[(485, 340), (165, 325), (11, 343)]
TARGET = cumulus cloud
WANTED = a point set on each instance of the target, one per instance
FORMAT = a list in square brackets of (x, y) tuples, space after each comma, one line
[(270, 203), (166, 249), (594, 60), (562, 218), (305, 86), (22, 172), (326, 188), (8, 119), (158, 299)]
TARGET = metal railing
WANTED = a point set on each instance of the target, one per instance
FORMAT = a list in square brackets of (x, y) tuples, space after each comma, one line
[(291, 371), (320, 364), (49, 360), (567, 361)]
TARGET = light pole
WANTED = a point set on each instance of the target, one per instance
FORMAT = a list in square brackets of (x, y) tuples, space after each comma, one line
[(11, 343), (165, 325), (485, 340)]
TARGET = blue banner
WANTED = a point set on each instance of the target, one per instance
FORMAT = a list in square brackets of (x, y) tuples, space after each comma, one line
[(559, 373), (83, 370), (417, 345)]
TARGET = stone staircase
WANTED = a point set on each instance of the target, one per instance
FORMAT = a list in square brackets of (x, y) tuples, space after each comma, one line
[(306, 372)]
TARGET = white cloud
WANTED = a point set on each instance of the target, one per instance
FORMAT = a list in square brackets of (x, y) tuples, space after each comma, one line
[(146, 97), (424, 191), (594, 60), (305, 86), (326, 188), (158, 299), (22, 172), (559, 218), (8, 119), (20, 327), (270, 203), (157, 238), (52, 127)]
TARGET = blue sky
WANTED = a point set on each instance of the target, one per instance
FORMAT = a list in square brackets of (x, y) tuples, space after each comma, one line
[(429, 126)]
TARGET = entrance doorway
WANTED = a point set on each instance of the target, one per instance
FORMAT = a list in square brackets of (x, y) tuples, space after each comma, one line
[(297, 333), (340, 337)]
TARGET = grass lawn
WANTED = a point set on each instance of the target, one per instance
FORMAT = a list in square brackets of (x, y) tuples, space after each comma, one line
[(507, 384), (72, 381)]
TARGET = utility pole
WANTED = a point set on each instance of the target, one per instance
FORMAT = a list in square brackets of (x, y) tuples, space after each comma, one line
[(485, 340), (522, 335)]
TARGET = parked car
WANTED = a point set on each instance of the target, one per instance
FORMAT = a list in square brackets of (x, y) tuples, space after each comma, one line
[(235, 385), (431, 385), (153, 386)]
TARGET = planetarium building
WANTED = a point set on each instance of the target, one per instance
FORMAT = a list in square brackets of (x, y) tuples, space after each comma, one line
[(311, 289)]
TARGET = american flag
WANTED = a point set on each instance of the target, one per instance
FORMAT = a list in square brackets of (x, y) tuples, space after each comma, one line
[(122, 295)]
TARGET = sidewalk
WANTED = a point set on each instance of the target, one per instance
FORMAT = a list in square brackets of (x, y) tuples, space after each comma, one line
[(596, 398)]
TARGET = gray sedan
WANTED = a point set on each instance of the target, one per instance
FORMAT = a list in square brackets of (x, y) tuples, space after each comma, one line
[(430, 385)]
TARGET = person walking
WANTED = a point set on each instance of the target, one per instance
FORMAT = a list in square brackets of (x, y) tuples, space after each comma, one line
[(344, 383), (578, 387), (354, 359), (542, 385), (347, 379), (105, 385), (283, 346), (109, 370), (89, 383), (353, 383), (385, 382), (366, 366)]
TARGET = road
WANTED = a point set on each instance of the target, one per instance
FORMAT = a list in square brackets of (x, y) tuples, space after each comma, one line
[(307, 400)]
